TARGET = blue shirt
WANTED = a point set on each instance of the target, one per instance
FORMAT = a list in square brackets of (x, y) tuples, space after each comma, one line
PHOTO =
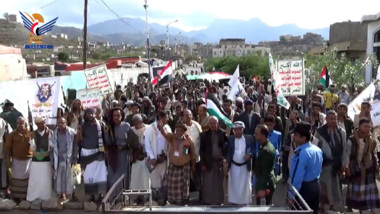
[(306, 164)]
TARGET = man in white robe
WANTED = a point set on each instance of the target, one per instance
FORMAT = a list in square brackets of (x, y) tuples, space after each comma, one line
[(157, 150), (239, 157)]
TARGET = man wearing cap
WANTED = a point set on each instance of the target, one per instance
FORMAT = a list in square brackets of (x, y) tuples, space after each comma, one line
[(90, 137), (343, 95), (249, 118), (18, 157), (239, 158), (10, 114), (136, 109), (40, 182), (306, 167)]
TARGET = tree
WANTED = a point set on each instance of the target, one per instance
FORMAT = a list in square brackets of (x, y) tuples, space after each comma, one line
[(63, 56), (96, 55), (249, 65), (6, 16), (341, 70)]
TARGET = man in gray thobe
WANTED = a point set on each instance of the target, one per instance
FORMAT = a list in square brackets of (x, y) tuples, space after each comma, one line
[(63, 157)]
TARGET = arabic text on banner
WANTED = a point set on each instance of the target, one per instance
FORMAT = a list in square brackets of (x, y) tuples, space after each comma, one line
[(291, 73), (97, 77), (90, 98), (45, 101), (281, 100), (375, 114)]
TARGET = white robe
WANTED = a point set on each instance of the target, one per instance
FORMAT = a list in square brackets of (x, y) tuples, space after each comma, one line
[(239, 182)]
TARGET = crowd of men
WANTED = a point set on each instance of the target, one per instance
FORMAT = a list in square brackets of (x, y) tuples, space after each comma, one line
[(166, 135)]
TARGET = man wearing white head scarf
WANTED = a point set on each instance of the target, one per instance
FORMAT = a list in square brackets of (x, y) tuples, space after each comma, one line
[(40, 182), (140, 173), (239, 157)]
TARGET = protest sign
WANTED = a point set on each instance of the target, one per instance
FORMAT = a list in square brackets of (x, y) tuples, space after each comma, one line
[(90, 98)]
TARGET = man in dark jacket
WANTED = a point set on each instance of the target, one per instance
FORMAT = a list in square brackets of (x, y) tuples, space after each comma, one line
[(213, 152), (249, 118)]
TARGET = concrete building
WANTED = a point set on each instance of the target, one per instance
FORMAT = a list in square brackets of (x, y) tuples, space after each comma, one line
[(12, 64), (373, 41), (237, 47), (349, 37), (12, 17)]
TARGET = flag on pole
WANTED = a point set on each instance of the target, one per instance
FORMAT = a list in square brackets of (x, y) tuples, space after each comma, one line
[(235, 77), (215, 110), (277, 82), (324, 78), (163, 76), (236, 86)]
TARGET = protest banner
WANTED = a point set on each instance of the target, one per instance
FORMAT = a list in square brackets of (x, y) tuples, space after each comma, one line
[(45, 98), (90, 98), (291, 73), (375, 114), (97, 77)]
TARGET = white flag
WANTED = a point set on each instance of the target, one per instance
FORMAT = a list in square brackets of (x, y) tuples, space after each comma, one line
[(281, 100), (235, 77), (236, 90), (378, 73)]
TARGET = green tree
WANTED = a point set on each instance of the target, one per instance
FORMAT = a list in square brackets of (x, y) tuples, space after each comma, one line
[(6, 16), (96, 55), (63, 56), (341, 70), (249, 65)]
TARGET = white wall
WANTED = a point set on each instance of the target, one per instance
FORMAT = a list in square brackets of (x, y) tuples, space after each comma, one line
[(12, 66), (372, 28)]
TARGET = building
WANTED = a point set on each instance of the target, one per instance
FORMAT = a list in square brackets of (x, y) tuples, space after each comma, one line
[(237, 47), (350, 38), (12, 17), (12, 64), (373, 41)]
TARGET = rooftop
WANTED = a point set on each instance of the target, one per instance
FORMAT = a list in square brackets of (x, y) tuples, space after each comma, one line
[(371, 18)]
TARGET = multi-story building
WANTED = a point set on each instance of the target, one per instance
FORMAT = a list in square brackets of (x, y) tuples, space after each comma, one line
[(237, 47), (373, 41)]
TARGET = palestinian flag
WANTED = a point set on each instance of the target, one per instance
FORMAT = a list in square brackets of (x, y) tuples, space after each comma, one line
[(214, 109), (324, 78), (163, 75)]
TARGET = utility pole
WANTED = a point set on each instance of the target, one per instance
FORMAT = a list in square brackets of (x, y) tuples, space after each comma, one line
[(85, 35), (147, 40)]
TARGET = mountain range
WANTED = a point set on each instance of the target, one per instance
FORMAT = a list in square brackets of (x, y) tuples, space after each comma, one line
[(134, 32)]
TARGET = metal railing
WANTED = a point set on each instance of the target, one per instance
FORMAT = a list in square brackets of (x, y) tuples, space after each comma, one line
[(295, 202), (114, 199), (114, 202)]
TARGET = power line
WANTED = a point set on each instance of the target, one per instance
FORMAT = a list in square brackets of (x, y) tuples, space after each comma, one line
[(118, 16), (48, 4)]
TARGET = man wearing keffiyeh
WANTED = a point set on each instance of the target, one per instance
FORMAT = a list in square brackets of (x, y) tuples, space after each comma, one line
[(90, 137)]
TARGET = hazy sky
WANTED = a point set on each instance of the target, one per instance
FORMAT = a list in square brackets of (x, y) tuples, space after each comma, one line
[(198, 14)]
